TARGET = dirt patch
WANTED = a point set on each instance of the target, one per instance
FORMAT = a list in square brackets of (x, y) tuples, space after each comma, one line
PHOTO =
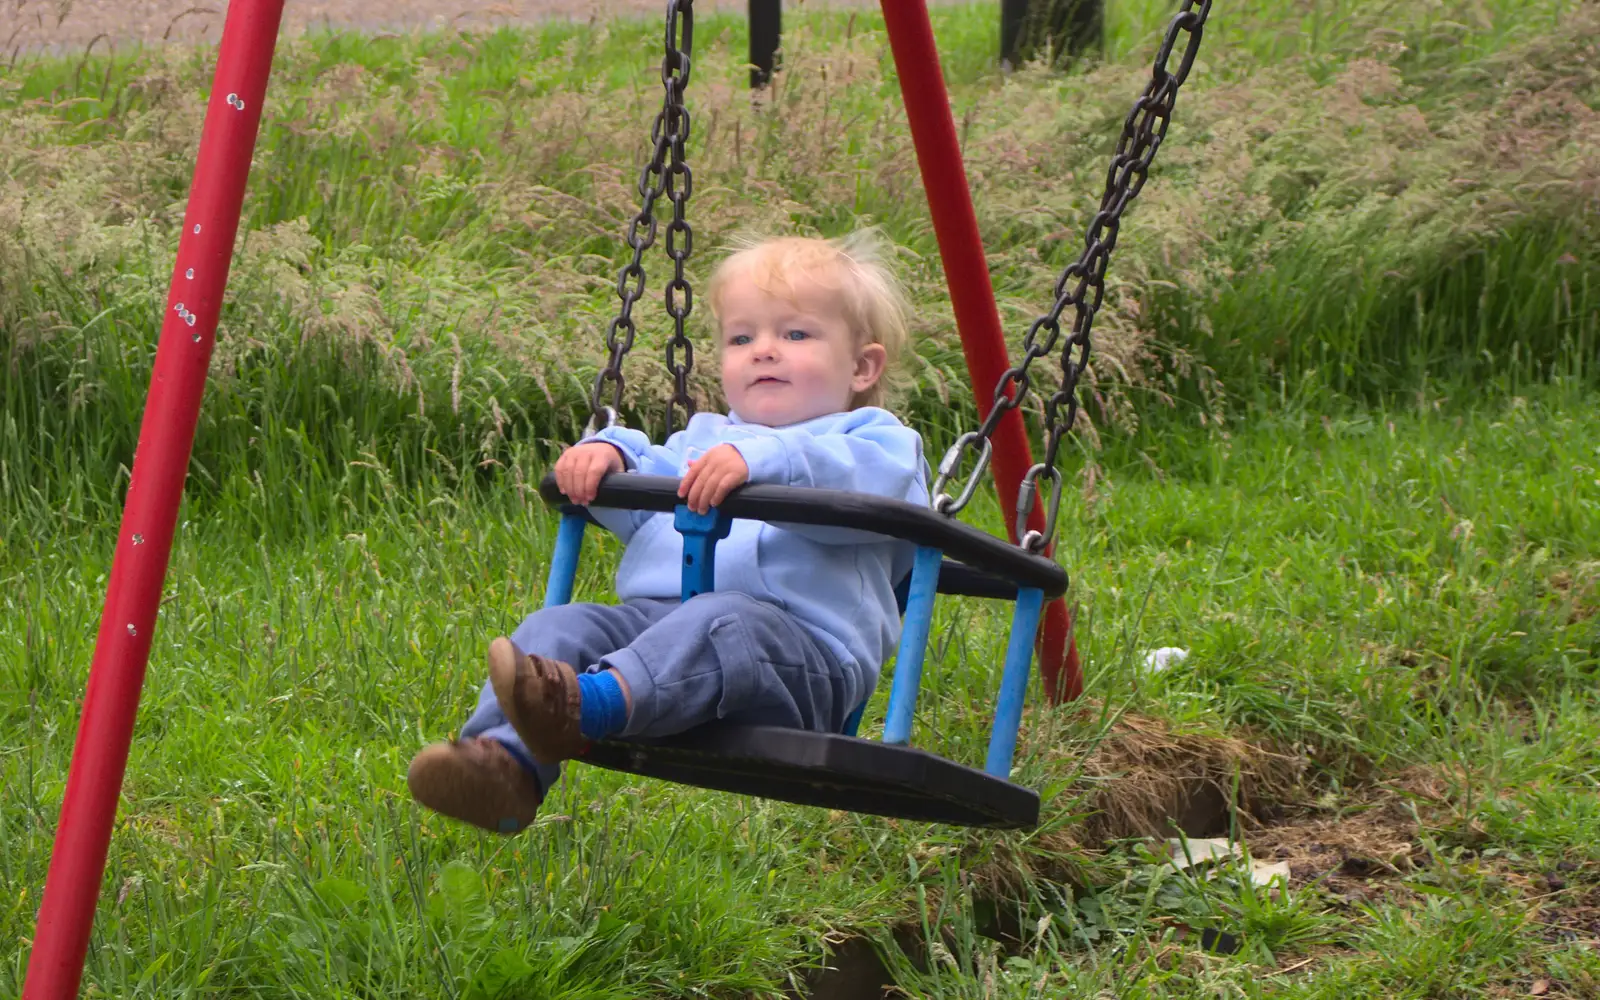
[(1568, 897), (1142, 780), (1579, 589), (1353, 854), (1153, 782), (853, 970)]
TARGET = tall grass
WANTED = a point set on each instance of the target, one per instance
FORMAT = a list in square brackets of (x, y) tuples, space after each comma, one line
[(1275, 31), (1375, 198)]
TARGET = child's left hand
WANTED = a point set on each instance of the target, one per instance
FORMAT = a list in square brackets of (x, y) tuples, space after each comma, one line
[(712, 476)]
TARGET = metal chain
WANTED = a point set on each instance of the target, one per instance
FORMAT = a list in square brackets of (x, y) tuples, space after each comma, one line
[(674, 124), (1082, 286), (669, 135)]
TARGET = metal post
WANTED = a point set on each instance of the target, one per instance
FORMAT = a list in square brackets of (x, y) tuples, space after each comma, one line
[(766, 28), (955, 225), (144, 540)]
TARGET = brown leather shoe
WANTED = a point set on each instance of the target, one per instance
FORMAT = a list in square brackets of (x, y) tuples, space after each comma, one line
[(540, 699), (476, 781)]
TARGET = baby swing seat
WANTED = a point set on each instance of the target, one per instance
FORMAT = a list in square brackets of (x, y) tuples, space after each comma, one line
[(840, 770)]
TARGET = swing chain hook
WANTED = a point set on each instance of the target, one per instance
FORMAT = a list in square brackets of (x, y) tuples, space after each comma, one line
[(1027, 496), (600, 421), (669, 136), (951, 463)]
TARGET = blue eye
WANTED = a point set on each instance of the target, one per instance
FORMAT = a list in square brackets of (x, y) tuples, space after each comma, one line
[(797, 335), (739, 339)]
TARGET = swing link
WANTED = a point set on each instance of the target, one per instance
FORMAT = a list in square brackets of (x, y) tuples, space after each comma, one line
[(1082, 284), (669, 135)]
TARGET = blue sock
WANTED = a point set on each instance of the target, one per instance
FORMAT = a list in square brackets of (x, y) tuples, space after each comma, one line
[(602, 711)]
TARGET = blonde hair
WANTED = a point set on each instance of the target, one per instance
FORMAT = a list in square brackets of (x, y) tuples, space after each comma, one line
[(870, 296)]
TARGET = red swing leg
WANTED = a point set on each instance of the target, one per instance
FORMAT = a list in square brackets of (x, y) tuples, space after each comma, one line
[(144, 541), (955, 224)]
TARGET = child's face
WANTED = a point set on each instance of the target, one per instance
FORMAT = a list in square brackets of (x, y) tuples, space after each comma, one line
[(787, 360)]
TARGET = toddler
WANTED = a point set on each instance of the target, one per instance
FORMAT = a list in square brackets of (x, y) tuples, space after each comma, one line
[(802, 617)]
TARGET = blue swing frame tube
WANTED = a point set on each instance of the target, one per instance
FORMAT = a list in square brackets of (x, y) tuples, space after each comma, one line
[(1014, 682), (913, 646), (564, 561)]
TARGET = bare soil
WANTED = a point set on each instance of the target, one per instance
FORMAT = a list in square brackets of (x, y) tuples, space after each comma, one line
[(72, 25)]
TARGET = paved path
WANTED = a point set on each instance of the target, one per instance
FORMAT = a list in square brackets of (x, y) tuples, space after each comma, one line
[(71, 25)]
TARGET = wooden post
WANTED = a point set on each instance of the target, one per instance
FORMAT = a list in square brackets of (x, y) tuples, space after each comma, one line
[(1062, 28)]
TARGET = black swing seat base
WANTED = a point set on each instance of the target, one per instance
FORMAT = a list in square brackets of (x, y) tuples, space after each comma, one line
[(828, 770)]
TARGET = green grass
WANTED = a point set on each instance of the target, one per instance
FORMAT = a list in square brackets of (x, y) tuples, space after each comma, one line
[(1329, 598), (432, 229)]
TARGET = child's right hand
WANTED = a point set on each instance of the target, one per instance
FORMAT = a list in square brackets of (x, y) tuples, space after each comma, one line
[(581, 467)]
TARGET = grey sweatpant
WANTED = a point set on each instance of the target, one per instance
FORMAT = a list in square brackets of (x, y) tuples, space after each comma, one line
[(723, 655)]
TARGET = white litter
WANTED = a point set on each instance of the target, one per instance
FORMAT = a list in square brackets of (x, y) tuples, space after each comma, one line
[(1186, 853), (1266, 873), (1158, 660)]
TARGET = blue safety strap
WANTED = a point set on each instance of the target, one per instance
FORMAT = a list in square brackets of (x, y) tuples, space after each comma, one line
[(700, 532)]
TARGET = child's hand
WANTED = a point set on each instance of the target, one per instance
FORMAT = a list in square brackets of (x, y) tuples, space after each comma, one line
[(581, 467), (712, 476)]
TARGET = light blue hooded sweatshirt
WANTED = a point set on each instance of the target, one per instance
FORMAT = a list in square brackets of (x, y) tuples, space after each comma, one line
[(837, 582)]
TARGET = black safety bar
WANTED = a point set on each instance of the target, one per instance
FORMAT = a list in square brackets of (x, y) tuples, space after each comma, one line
[(980, 556)]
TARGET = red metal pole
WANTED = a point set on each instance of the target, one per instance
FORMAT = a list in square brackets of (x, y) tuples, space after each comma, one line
[(144, 541), (955, 225)]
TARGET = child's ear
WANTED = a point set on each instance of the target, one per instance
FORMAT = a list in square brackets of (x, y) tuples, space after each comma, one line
[(870, 362)]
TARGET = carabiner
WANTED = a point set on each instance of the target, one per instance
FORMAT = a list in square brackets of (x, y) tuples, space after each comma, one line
[(942, 502), (1027, 494), (612, 420)]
